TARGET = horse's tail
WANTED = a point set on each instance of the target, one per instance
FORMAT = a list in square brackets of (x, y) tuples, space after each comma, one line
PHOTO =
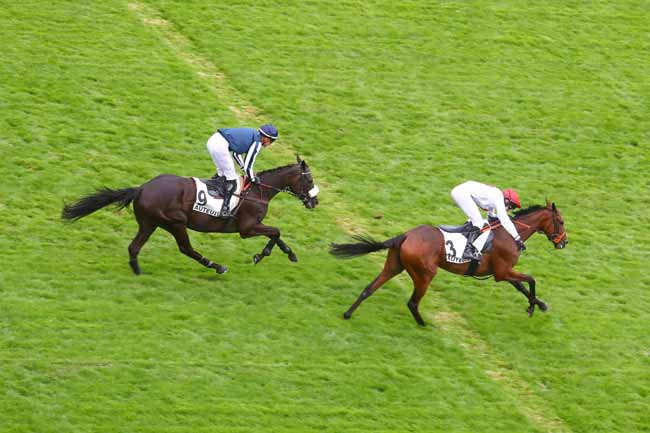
[(101, 198), (365, 245)]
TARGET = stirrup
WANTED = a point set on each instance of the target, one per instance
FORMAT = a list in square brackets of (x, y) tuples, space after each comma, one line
[(472, 253), (225, 206), (225, 212)]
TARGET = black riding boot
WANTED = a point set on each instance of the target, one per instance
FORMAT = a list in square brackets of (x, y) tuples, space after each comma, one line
[(228, 190), (215, 184), (471, 252)]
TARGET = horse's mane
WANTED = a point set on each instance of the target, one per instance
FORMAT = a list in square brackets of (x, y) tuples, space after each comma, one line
[(272, 170), (529, 209)]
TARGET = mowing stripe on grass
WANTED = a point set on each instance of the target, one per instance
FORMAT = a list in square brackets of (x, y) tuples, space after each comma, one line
[(531, 405), (182, 47)]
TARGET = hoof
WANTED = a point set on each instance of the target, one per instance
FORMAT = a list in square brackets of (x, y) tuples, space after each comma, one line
[(135, 268), (347, 315), (542, 306), (257, 258), (293, 257), (221, 269), (530, 310)]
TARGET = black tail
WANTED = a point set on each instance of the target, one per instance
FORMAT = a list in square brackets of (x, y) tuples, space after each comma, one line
[(365, 245), (103, 197)]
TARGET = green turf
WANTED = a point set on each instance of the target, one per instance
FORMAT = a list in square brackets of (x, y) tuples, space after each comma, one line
[(392, 104)]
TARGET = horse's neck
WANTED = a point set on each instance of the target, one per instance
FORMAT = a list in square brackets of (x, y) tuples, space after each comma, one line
[(277, 179), (527, 225)]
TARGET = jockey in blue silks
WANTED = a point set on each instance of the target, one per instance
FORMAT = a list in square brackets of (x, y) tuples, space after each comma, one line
[(238, 141)]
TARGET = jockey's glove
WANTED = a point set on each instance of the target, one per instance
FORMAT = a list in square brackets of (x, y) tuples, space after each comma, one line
[(255, 179), (520, 245)]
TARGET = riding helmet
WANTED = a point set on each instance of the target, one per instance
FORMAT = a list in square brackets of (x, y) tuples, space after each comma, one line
[(269, 131), (512, 196)]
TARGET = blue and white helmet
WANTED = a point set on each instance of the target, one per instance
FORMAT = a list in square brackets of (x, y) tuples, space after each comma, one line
[(270, 131)]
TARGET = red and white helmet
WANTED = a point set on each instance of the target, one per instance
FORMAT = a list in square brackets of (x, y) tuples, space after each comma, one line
[(512, 196)]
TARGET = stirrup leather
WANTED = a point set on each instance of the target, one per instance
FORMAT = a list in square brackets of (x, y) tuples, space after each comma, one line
[(229, 189), (471, 252)]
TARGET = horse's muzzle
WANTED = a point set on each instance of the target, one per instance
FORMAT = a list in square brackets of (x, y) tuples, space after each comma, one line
[(311, 202), (312, 198)]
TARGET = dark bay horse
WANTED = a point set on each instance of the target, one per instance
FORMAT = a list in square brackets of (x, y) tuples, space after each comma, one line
[(166, 201), (421, 251)]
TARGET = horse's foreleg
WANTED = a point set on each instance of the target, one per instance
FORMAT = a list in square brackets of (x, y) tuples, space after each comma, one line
[(285, 249), (516, 280), (274, 235), (183, 241), (392, 267), (265, 252), (144, 231)]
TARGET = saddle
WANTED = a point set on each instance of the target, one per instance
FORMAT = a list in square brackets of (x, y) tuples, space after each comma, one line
[(452, 248), (464, 229), (456, 238), (216, 186)]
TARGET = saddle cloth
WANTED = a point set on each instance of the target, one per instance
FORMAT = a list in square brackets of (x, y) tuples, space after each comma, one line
[(206, 203), (455, 244)]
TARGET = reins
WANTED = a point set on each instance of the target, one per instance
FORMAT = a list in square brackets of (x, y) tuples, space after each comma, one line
[(302, 196), (556, 237), (497, 225), (245, 197), (286, 189)]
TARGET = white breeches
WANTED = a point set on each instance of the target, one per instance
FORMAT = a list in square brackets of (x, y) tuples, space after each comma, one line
[(464, 200), (218, 149)]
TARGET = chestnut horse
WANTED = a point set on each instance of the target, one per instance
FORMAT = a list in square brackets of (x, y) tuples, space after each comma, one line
[(421, 251), (166, 201)]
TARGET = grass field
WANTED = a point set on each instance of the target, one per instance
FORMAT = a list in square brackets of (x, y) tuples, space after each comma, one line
[(391, 104)]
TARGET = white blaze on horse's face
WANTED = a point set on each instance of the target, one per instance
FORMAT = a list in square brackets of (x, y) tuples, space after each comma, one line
[(313, 192)]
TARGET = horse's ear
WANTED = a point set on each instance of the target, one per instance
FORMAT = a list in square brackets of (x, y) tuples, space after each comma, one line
[(554, 208), (548, 203), (298, 159)]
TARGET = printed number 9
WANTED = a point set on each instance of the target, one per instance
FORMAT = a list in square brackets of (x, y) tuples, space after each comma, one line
[(202, 198)]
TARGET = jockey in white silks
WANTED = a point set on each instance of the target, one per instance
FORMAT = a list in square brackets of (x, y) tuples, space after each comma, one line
[(470, 196), (238, 141)]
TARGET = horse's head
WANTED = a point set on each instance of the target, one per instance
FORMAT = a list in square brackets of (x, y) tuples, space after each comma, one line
[(301, 183), (553, 226), (295, 179)]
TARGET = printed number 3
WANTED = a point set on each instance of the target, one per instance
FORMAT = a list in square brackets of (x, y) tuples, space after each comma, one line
[(449, 244)]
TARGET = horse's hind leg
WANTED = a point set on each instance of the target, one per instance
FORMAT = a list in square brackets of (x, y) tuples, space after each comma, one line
[(145, 230), (421, 281), (392, 267), (183, 240)]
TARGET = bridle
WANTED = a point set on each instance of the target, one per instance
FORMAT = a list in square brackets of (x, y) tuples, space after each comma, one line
[(304, 195), (556, 237), (558, 234)]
